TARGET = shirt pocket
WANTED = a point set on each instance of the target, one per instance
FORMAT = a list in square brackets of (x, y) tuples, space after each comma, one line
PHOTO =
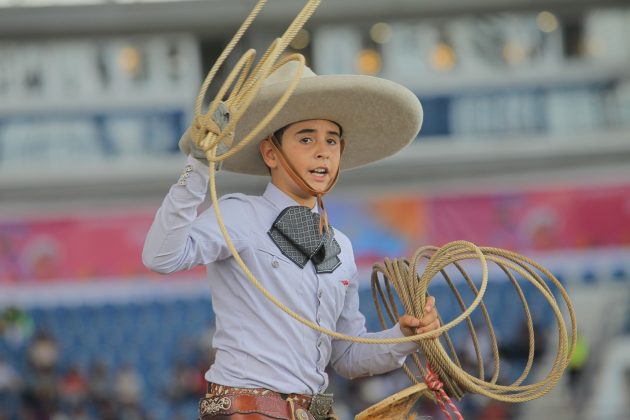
[(279, 267), (337, 287)]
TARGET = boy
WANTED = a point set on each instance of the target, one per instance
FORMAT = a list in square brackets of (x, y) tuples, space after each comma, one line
[(268, 365)]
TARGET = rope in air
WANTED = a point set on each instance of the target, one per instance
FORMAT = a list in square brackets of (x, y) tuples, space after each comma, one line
[(237, 93)]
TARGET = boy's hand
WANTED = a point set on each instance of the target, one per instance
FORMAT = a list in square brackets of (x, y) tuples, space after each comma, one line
[(410, 325), (187, 144), (188, 147)]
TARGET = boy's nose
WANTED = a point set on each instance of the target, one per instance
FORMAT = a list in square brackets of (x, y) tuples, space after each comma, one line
[(322, 152)]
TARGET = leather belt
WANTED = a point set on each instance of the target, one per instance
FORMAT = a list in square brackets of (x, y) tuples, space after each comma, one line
[(217, 390), (266, 406), (224, 400)]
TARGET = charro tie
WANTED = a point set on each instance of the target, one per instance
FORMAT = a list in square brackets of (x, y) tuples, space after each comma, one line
[(296, 233)]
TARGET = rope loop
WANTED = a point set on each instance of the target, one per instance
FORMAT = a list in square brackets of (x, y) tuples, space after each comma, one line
[(241, 87)]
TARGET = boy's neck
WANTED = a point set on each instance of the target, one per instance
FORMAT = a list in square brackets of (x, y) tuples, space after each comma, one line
[(302, 199)]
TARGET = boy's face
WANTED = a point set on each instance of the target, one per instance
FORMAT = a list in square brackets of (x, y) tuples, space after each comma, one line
[(313, 147)]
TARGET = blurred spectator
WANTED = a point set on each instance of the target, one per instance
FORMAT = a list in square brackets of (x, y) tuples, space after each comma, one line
[(495, 410), (128, 390), (9, 379), (10, 386), (128, 386), (40, 397), (184, 385), (99, 386), (16, 326), (79, 413), (43, 353), (73, 388), (576, 367)]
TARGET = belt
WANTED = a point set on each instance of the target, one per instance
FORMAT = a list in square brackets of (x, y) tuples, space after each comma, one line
[(218, 390), (225, 400), (254, 406)]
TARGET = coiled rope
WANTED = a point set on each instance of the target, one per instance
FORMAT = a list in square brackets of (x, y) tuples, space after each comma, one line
[(243, 83), (411, 288)]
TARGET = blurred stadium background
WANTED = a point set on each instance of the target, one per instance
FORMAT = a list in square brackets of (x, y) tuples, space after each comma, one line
[(525, 146)]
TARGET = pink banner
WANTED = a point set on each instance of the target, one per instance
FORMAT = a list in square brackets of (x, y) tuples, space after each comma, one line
[(563, 219), (73, 248), (85, 247)]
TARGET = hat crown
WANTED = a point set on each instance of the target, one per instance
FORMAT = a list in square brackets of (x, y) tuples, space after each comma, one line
[(286, 72)]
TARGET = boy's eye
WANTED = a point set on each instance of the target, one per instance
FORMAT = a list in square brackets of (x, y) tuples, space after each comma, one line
[(306, 140), (332, 141)]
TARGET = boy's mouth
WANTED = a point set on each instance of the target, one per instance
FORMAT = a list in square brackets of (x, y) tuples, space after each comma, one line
[(319, 172)]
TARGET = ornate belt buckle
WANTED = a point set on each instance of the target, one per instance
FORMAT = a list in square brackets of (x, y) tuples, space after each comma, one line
[(213, 405), (321, 405)]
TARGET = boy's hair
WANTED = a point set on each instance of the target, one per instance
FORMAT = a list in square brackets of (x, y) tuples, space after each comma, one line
[(276, 137), (278, 134)]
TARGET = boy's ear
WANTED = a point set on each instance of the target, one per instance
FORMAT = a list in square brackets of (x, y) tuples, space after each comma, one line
[(268, 154)]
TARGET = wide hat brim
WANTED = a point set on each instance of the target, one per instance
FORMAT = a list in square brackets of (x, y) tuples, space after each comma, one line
[(378, 117)]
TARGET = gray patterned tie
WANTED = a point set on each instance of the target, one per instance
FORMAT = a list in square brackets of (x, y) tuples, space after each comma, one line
[(296, 233)]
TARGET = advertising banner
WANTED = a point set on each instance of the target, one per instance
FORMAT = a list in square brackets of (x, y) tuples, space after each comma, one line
[(85, 247)]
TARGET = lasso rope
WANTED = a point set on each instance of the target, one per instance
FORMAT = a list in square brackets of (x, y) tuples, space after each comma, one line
[(412, 288), (243, 83)]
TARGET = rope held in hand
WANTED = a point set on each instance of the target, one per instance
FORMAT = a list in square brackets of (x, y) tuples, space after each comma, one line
[(243, 83), (411, 288)]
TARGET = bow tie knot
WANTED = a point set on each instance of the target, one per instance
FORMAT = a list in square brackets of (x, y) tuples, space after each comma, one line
[(296, 233)]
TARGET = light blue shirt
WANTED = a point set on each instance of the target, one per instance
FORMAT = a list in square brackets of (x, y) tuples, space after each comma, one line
[(257, 344)]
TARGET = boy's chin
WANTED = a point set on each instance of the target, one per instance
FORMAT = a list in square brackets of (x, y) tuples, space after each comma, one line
[(319, 184), (320, 187)]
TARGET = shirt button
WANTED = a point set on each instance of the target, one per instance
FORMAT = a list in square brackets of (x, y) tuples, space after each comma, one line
[(320, 292), (275, 264), (319, 319)]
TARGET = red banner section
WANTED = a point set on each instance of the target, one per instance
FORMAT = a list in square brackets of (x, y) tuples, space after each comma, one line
[(73, 247), (85, 247), (566, 219)]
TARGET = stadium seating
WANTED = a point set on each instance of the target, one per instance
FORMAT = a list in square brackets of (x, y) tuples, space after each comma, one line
[(153, 336)]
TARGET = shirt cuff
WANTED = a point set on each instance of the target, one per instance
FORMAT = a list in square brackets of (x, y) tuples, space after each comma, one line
[(198, 166), (401, 349), (194, 178)]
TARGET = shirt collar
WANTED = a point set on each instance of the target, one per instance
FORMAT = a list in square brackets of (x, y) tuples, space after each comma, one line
[(280, 199)]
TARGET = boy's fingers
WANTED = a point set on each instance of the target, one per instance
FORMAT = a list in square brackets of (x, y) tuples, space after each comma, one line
[(433, 326), (429, 318), (409, 321)]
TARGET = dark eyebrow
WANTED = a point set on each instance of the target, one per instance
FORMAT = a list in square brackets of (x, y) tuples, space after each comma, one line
[(312, 130)]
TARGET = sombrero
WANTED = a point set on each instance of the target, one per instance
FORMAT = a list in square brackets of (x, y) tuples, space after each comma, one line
[(378, 117)]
